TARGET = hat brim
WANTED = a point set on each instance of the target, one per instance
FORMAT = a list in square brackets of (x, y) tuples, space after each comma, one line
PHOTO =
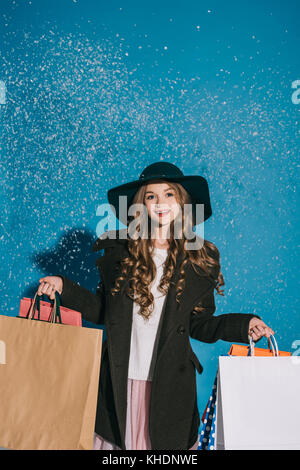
[(195, 185)]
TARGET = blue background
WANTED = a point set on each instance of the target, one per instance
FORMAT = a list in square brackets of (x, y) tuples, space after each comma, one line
[(97, 90)]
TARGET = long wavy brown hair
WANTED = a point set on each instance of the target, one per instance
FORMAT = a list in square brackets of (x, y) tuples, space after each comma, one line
[(141, 269)]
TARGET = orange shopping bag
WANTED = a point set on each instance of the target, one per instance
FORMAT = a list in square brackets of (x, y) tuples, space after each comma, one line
[(240, 350)]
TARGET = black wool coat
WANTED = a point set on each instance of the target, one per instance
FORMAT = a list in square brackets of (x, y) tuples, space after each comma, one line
[(173, 416)]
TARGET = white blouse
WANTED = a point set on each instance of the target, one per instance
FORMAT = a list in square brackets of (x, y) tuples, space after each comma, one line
[(144, 332)]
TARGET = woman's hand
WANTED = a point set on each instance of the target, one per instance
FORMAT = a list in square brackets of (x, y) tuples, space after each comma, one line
[(257, 329), (50, 284)]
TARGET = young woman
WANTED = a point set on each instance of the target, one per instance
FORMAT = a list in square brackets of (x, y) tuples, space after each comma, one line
[(156, 291)]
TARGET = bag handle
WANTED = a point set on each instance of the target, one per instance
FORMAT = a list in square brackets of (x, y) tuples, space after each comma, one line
[(31, 311), (54, 314), (56, 309), (272, 344)]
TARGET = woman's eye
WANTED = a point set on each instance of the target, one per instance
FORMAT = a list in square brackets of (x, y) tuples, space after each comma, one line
[(151, 196)]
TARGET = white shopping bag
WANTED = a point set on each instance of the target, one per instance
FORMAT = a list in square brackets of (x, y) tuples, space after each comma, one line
[(258, 403)]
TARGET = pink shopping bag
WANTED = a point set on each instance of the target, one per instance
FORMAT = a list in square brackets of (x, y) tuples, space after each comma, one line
[(68, 316)]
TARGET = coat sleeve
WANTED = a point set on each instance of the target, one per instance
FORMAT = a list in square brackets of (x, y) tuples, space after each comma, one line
[(76, 297), (232, 327)]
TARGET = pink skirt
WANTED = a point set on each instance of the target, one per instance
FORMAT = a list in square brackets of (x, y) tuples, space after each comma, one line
[(137, 419)]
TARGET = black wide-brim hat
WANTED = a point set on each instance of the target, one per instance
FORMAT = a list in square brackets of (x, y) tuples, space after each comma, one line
[(195, 185)]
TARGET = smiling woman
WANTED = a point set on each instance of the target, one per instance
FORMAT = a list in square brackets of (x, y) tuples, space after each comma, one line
[(172, 193), (154, 294), (161, 201)]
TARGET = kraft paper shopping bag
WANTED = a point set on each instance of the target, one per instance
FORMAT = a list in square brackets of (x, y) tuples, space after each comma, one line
[(49, 378)]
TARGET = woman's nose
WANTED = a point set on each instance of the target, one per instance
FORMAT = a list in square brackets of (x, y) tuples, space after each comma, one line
[(160, 201)]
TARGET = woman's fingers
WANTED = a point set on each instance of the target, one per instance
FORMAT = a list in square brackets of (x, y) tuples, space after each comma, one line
[(43, 287), (49, 290), (46, 288), (253, 335), (54, 281), (269, 332), (52, 295), (258, 331), (39, 291)]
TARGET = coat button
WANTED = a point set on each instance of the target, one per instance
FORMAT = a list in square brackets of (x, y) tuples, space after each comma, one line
[(181, 330)]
